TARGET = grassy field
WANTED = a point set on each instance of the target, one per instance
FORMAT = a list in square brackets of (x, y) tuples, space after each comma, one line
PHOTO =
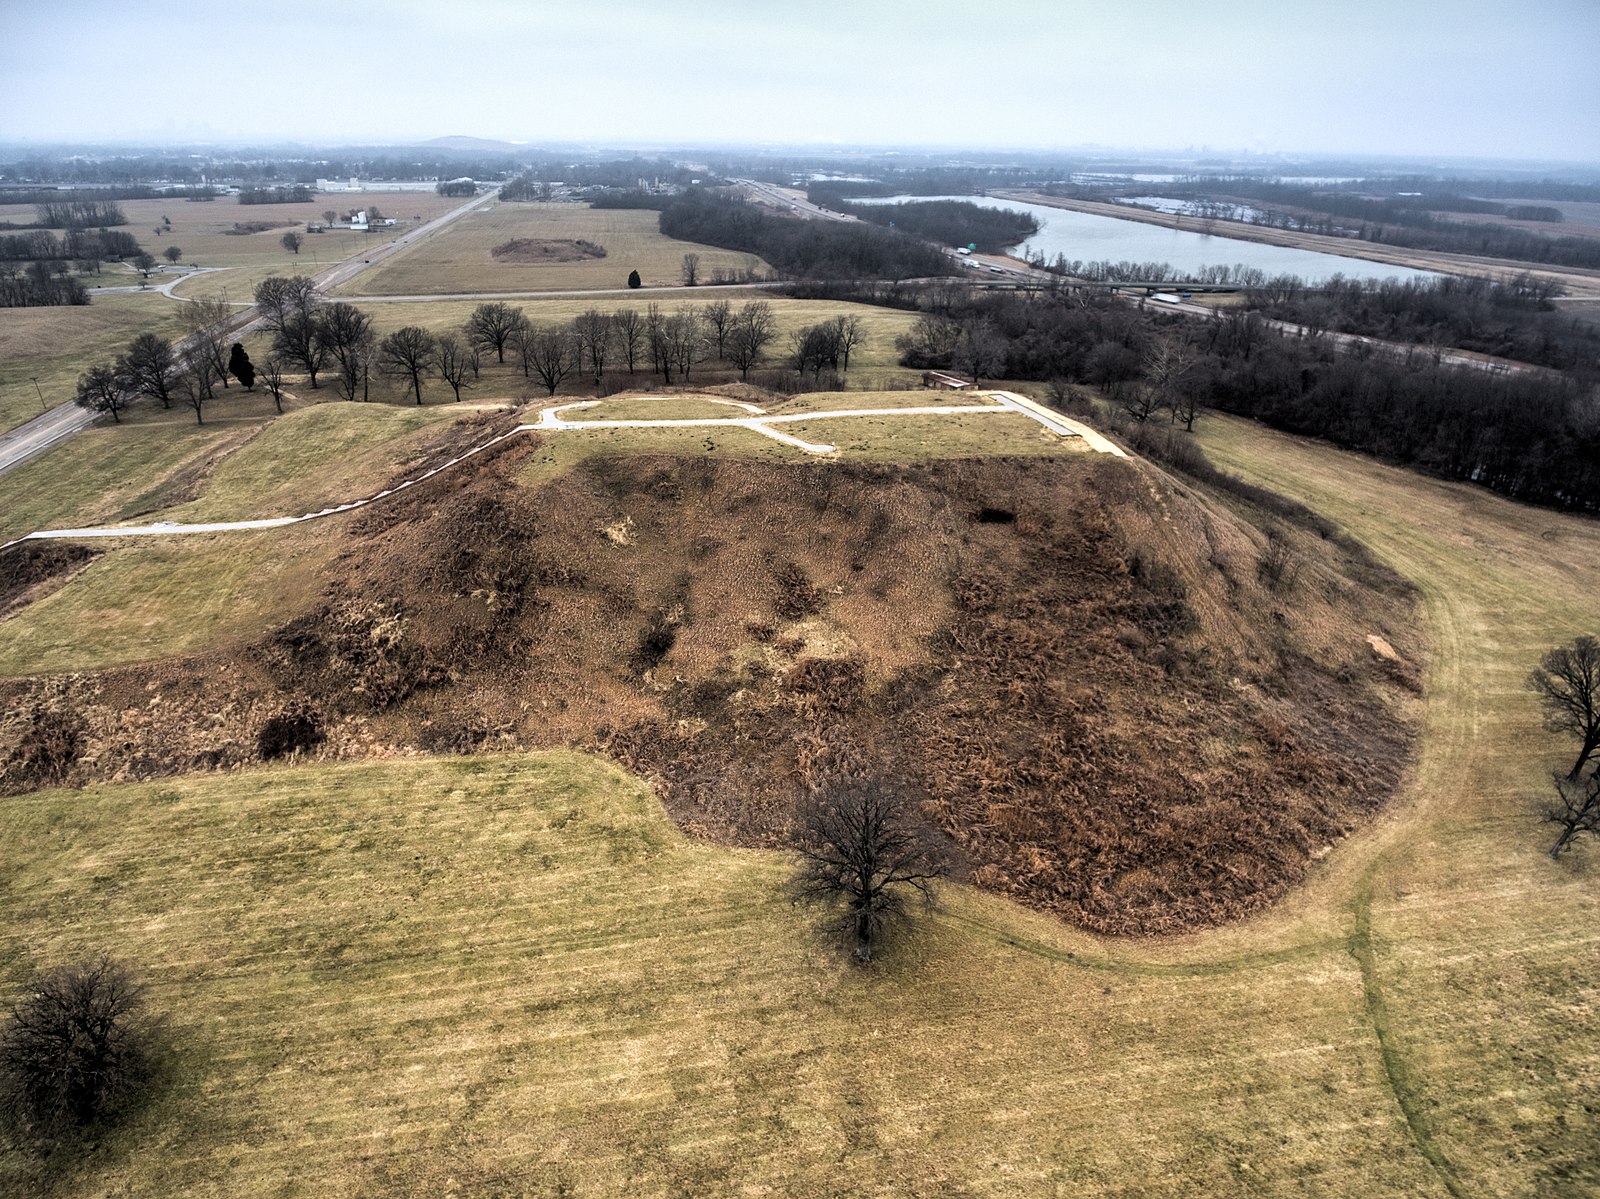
[(509, 975), (58, 344), (512, 976), (459, 260), (156, 597)]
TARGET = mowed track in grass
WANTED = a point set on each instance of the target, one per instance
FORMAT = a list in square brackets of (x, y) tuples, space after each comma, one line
[(1485, 953), (512, 976), (459, 259), (508, 974)]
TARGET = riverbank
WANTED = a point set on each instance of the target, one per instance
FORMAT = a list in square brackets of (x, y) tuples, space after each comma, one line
[(1577, 282)]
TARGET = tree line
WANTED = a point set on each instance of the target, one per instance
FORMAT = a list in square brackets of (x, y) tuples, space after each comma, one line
[(293, 193), (1408, 221), (1534, 437), (952, 222), (806, 249), (185, 372), (39, 285), (83, 245), (1510, 318)]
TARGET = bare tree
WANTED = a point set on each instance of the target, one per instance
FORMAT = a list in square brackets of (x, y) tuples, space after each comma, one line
[(685, 340), (655, 336), (280, 299), (592, 329), (291, 242), (453, 359), (629, 326), (754, 329), (206, 322), (148, 367), (329, 217), (1168, 366), (718, 317), (172, 254), (271, 376), (347, 333), (863, 855), (851, 334), (691, 269), (73, 1051), (553, 354), (1567, 683), (100, 390), (494, 326), (1577, 809), (300, 343), (194, 383), (409, 353), (980, 351)]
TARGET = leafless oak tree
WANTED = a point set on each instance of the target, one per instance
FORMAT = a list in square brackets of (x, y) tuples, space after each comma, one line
[(99, 390), (863, 855), (453, 360), (494, 326), (754, 329), (408, 353), (1567, 682)]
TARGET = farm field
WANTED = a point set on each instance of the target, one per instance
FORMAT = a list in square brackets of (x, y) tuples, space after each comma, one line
[(202, 232), (511, 973), (459, 259), (58, 344)]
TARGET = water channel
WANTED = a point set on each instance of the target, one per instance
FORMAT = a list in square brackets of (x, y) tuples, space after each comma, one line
[(1091, 238)]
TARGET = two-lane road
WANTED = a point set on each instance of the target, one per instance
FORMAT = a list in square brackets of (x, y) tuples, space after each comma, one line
[(33, 438)]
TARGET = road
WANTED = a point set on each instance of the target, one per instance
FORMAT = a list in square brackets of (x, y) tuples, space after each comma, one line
[(59, 423), (788, 199)]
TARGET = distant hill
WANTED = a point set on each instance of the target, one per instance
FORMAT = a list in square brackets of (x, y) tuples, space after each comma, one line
[(476, 144)]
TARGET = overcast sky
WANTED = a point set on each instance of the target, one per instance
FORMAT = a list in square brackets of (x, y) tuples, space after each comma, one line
[(1511, 78)]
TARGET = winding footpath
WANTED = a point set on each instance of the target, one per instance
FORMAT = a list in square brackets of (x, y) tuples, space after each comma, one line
[(551, 420)]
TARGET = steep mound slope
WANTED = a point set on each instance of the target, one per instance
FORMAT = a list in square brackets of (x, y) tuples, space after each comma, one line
[(1123, 703)]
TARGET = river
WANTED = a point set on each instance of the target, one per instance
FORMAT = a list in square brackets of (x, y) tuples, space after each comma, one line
[(1090, 238)]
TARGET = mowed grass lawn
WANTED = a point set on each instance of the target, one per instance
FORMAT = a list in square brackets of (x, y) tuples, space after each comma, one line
[(244, 462), (459, 258), (512, 976), (59, 344), (509, 975), (158, 597)]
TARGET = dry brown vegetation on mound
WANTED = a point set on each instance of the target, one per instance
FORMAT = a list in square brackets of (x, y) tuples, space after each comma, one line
[(1124, 702), (546, 249)]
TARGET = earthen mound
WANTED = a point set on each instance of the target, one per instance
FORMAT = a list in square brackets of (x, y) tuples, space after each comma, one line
[(1114, 712), (546, 249)]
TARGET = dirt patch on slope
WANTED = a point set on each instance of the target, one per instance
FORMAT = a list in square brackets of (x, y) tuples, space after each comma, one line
[(546, 249), (1076, 660)]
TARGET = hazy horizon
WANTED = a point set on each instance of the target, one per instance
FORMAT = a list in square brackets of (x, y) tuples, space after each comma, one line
[(1406, 79)]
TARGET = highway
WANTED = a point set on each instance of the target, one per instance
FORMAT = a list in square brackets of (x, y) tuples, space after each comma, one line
[(33, 438)]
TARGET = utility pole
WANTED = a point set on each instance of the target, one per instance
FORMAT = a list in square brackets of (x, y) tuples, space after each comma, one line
[(43, 407)]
